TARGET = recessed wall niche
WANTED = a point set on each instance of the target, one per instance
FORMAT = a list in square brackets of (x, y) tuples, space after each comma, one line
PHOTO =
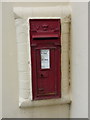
[(22, 16)]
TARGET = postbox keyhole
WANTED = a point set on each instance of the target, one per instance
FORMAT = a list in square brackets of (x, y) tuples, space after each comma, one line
[(41, 75)]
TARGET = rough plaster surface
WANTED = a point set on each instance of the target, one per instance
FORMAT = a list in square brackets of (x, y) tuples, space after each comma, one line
[(23, 50), (79, 60)]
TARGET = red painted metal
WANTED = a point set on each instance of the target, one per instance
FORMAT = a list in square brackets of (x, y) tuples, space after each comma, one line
[(45, 34)]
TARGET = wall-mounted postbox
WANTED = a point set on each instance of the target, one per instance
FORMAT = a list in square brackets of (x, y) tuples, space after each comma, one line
[(45, 42)]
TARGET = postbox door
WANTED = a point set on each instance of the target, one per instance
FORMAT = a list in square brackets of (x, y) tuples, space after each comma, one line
[(47, 72)]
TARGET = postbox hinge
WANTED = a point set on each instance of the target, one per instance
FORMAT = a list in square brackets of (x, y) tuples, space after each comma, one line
[(57, 44), (33, 45)]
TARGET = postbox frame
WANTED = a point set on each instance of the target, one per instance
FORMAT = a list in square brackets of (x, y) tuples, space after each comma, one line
[(59, 78)]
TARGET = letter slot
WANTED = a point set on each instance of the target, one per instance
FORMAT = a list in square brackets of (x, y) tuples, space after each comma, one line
[(44, 37)]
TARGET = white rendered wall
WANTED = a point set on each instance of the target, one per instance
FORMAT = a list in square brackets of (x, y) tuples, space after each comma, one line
[(10, 77), (79, 71), (0, 60)]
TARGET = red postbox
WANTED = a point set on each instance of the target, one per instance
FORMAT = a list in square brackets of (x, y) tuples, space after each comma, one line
[(45, 43)]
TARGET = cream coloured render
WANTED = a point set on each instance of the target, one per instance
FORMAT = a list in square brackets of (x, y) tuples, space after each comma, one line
[(79, 108)]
